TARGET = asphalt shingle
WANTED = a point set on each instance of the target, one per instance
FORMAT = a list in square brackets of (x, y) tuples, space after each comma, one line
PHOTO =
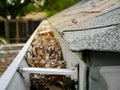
[(110, 18), (94, 25), (102, 39)]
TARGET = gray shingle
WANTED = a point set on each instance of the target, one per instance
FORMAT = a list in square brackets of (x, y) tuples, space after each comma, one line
[(112, 7), (109, 18), (103, 39), (72, 12), (97, 27)]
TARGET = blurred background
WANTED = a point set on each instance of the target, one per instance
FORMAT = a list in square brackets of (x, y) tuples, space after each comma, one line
[(19, 18)]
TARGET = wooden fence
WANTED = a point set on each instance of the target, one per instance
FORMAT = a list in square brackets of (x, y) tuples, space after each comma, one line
[(17, 31)]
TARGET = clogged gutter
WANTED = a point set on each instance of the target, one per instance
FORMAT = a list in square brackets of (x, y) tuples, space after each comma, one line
[(46, 53)]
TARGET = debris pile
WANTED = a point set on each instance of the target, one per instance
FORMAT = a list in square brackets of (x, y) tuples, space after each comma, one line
[(52, 82), (46, 53)]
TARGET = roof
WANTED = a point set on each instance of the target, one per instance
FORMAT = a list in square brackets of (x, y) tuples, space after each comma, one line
[(93, 25), (102, 39)]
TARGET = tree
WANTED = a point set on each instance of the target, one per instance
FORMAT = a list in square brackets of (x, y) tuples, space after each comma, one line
[(54, 6), (13, 7), (20, 8)]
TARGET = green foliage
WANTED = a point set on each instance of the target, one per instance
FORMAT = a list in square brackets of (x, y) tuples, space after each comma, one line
[(3, 41), (53, 6), (12, 7), (20, 8), (27, 9)]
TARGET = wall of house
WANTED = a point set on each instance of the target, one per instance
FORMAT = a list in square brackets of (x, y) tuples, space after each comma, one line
[(104, 70)]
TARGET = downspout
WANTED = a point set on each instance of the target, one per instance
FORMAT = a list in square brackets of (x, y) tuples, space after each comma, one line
[(86, 58)]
